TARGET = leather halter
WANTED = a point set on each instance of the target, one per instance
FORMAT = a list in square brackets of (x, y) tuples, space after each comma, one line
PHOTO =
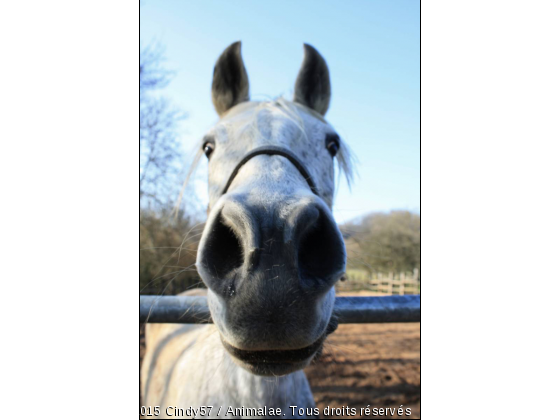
[(273, 150)]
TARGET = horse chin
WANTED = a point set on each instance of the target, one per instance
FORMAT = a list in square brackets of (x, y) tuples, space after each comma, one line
[(271, 369), (274, 362)]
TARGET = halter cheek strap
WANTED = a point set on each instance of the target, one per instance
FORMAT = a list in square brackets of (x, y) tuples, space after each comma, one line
[(273, 150)]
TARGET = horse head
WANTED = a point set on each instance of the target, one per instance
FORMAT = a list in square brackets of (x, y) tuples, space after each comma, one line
[(271, 252)]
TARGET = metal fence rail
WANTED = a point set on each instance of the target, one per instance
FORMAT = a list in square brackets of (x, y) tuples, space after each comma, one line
[(350, 310)]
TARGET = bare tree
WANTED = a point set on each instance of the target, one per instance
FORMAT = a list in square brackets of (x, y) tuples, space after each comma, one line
[(167, 244), (160, 151)]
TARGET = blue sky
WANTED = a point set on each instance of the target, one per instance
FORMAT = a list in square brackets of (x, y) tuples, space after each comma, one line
[(373, 52)]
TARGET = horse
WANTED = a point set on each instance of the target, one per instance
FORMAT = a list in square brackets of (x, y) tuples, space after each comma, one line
[(270, 255)]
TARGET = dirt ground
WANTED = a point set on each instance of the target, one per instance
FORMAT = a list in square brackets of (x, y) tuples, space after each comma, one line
[(361, 364), (375, 364)]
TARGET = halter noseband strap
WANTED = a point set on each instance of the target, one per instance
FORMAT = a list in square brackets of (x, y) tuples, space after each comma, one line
[(273, 150)]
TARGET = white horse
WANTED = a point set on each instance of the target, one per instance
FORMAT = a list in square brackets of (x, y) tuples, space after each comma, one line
[(270, 255)]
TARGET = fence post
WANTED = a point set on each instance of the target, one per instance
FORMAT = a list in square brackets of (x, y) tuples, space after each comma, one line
[(373, 283), (401, 286)]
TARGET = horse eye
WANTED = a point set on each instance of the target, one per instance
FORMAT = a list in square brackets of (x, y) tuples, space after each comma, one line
[(208, 148), (332, 142)]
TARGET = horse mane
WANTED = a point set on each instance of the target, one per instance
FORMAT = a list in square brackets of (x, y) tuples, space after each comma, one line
[(345, 158)]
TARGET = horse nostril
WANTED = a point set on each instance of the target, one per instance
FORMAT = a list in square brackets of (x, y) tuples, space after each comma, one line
[(223, 252), (321, 253), (244, 249)]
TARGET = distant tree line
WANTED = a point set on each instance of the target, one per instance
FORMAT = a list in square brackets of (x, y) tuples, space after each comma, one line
[(384, 242), (168, 247)]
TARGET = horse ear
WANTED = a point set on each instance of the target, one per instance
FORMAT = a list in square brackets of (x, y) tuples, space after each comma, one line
[(230, 85), (313, 85)]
